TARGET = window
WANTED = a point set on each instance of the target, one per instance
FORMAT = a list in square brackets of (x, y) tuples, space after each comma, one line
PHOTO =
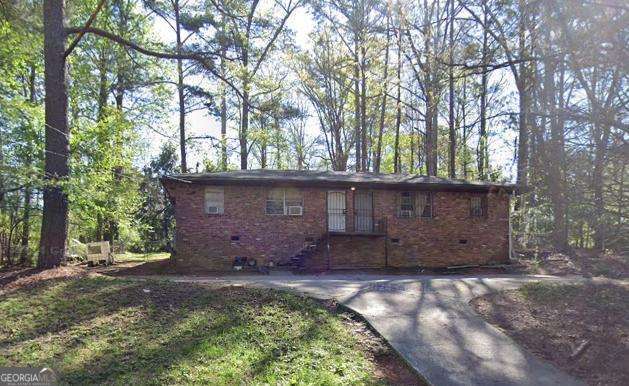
[(284, 202), (214, 200), (478, 206), (424, 204), (275, 202), (415, 204), (407, 206)]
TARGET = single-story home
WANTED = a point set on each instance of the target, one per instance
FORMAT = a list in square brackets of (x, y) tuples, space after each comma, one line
[(337, 220)]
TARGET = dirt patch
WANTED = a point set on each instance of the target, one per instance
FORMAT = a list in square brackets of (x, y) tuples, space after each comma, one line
[(28, 277), (586, 263), (582, 329)]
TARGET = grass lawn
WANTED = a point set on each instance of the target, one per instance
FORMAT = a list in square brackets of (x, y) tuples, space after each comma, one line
[(151, 256), (583, 329), (95, 329)]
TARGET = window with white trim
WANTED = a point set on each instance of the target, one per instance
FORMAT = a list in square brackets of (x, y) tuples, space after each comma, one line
[(214, 200), (284, 201)]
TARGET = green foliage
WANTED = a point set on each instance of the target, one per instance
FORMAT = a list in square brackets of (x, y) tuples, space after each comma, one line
[(104, 188), (155, 216)]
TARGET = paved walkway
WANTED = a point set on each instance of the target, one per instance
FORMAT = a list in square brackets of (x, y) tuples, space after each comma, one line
[(427, 319)]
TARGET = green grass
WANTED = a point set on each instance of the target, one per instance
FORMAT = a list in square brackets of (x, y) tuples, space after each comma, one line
[(103, 330), (151, 256)]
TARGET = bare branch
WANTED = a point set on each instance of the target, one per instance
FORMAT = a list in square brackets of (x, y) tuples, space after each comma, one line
[(88, 24)]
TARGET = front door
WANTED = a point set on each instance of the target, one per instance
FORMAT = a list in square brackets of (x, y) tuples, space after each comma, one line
[(363, 210), (336, 211)]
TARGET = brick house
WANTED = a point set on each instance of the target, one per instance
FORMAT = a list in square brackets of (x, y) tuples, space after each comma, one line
[(337, 220)]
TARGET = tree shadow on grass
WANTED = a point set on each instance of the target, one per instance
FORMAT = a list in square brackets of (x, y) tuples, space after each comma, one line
[(112, 331)]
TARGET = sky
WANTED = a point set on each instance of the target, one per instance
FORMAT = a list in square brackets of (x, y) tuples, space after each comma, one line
[(199, 123)]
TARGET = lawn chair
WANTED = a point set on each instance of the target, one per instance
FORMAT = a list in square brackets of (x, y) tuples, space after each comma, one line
[(99, 252)]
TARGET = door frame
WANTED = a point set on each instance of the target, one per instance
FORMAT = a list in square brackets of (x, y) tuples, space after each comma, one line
[(327, 210)]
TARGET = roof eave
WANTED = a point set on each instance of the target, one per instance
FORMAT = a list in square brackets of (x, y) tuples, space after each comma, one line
[(345, 184)]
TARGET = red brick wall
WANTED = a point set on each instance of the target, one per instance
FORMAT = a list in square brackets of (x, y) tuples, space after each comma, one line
[(437, 241), (205, 240)]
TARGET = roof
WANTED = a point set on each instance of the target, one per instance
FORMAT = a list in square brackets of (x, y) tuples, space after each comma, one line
[(334, 179)]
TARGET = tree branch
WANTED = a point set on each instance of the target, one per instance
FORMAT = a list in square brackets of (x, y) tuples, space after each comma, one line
[(88, 24), (204, 61)]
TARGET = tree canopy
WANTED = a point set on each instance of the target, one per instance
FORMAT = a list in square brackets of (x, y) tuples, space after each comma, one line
[(101, 97)]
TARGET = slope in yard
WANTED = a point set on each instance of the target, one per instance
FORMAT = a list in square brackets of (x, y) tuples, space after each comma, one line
[(583, 329), (94, 329)]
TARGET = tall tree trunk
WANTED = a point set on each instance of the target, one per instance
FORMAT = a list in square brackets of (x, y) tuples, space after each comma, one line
[(482, 138), (26, 224), (103, 91), (180, 92), (357, 127), (244, 128), (363, 110), (1, 179), (102, 85), (26, 214), (223, 130), (431, 97), (411, 162), (383, 104), (555, 153), (601, 141), (223, 106), (398, 105), (466, 154), (452, 129), (263, 153), (523, 92), (54, 228), (278, 143), (121, 81)]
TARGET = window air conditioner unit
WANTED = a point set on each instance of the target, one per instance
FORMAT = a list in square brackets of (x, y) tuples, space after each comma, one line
[(406, 213), (212, 210), (295, 210)]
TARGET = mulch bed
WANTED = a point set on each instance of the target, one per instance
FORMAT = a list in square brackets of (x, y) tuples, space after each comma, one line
[(582, 329)]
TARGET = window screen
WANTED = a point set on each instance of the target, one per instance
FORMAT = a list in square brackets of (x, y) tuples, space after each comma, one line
[(214, 200)]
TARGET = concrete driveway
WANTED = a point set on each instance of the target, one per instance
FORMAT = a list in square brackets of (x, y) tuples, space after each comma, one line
[(427, 319)]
